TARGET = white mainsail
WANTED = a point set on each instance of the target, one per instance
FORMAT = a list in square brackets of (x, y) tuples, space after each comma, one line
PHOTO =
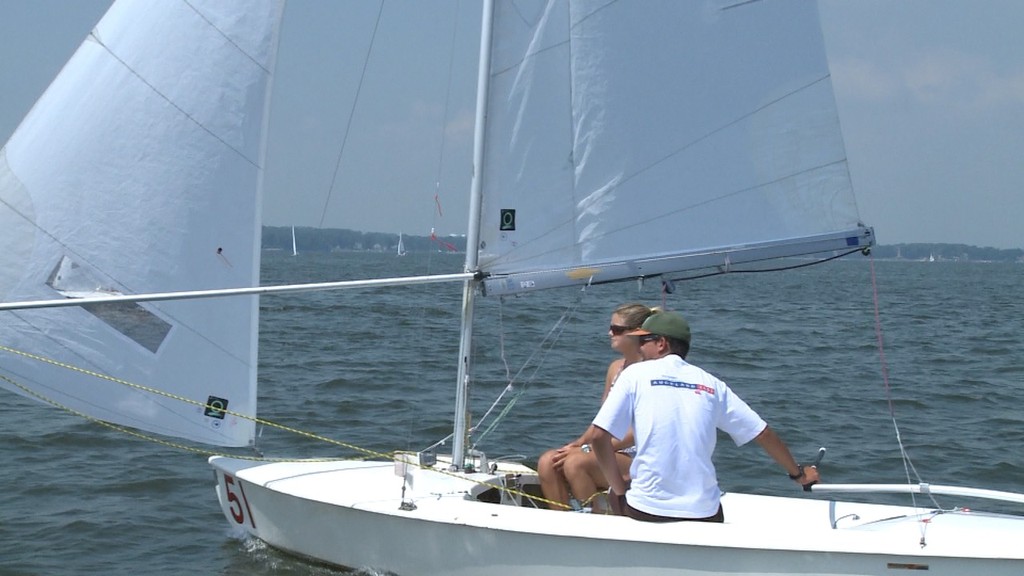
[(629, 145), (139, 170)]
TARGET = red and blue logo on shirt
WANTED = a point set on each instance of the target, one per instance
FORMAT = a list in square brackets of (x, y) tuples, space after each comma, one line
[(698, 388)]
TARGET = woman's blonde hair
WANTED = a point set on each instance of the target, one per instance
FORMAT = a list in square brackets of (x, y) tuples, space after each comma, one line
[(633, 314)]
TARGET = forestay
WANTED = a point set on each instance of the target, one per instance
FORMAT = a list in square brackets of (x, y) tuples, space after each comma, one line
[(632, 140), (140, 171)]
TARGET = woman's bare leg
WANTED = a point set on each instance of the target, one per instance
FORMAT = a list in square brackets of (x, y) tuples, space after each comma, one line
[(586, 479), (552, 481)]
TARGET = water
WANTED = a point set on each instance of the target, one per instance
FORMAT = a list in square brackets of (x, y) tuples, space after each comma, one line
[(374, 368)]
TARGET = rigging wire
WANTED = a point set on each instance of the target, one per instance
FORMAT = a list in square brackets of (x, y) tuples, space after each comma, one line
[(444, 119), (728, 270), (437, 213), (518, 383), (545, 346), (908, 465), (351, 114)]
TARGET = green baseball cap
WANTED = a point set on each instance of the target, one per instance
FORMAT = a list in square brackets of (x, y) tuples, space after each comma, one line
[(671, 324)]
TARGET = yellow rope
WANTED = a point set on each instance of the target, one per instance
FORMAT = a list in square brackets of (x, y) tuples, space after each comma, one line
[(158, 392), (367, 452)]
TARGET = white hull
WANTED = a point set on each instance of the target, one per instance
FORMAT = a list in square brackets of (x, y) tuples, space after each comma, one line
[(349, 514)]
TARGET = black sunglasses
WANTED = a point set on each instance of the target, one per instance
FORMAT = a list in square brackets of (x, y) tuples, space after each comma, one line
[(648, 338), (617, 330)]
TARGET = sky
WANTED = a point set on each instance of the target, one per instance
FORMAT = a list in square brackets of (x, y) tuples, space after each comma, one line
[(930, 96)]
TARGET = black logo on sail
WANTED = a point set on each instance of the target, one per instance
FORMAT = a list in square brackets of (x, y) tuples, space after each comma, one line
[(216, 407), (508, 219)]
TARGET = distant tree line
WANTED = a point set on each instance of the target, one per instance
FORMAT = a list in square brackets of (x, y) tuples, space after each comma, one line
[(309, 239), (948, 252)]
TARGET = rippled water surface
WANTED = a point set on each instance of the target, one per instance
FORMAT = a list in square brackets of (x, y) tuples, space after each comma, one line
[(375, 369)]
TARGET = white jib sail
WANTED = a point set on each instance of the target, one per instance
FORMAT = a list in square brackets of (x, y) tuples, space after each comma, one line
[(139, 170)]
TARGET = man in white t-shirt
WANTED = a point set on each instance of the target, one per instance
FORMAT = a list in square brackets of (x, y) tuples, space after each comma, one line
[(675, 409)]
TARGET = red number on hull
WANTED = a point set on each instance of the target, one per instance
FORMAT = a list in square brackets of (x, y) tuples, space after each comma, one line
[(239, 506)]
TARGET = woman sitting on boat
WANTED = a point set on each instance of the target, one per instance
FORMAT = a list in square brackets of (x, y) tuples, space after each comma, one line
[(572, 470)]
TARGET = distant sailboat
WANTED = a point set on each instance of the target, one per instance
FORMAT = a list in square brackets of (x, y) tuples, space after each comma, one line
[(401, 245), (295, 250)]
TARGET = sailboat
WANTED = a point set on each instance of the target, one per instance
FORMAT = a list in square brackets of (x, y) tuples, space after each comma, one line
[(295, 249), (401, 245), (614, 141)]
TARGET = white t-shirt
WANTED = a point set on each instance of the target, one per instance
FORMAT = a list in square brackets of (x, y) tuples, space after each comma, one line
[(674, 409)]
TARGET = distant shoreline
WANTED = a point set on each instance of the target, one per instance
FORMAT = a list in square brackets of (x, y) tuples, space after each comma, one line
[(938, 252), (344, 240)]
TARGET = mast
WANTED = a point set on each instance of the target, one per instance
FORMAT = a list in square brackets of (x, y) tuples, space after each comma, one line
[(460, 431)]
